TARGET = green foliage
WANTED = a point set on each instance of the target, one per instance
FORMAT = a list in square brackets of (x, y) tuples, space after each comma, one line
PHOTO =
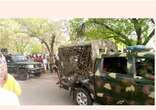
[(18, 34), (35, 47), (74, 28), (123, 31)]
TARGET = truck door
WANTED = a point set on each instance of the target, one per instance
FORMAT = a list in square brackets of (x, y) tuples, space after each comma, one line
[(111, 80), (145, 80)]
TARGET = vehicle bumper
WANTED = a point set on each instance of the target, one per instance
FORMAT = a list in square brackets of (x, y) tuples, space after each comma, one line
[(38, 70)]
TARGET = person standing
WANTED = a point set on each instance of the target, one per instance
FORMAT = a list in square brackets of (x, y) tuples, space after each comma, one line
[(45, 62)]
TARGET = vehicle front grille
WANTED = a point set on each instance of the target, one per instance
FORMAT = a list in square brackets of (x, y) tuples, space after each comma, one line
[(37, 65)]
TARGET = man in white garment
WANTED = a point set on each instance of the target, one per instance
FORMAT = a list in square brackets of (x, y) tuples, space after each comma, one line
[(6, 97)]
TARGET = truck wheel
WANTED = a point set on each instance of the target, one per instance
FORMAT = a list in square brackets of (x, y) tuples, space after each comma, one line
[(82, 97), (23, 76), (37, 74)]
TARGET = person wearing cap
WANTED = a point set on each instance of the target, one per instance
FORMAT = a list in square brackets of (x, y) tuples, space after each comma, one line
[(10, 83)]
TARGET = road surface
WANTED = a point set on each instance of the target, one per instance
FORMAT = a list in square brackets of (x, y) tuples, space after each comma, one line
[(44, 91)]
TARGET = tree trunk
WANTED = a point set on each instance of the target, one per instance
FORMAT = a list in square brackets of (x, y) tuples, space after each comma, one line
[(149, 37), (51, 54), (50, 49), (138, 30)]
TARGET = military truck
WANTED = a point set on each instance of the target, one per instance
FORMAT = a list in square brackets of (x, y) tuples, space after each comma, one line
[(97, 72)]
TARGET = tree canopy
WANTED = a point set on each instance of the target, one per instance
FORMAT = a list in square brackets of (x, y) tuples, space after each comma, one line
[(36, 35), (129, 31), (30, 35)]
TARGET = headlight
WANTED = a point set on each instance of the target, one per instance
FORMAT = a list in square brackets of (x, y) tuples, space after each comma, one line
[(30, 66)]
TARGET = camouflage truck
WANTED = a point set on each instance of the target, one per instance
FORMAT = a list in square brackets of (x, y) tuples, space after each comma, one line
[(97, 71)]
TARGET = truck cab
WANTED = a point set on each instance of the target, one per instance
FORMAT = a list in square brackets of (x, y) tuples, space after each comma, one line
[(125, 79)]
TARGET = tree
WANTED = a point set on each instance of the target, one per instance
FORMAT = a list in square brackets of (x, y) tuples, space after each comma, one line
[(9, 38), (131, 31), (46, 31), (31, 35)]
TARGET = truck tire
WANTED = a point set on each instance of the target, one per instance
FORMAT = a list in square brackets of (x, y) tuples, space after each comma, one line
[(82, 97)]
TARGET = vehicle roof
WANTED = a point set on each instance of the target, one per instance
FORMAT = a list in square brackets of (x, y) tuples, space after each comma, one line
[(84, 43), (139, 54), (14, 55), (146, 54)]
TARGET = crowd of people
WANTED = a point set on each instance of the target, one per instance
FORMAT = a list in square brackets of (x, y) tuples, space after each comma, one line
[(42, 58), (45, 60)]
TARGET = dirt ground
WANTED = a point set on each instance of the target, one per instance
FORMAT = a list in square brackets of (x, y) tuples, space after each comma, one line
[(44, 91)]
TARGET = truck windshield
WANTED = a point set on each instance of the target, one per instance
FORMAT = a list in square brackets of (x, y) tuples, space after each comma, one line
[(19, 58)]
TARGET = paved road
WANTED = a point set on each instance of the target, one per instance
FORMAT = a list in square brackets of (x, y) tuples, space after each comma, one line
[(44, 91)]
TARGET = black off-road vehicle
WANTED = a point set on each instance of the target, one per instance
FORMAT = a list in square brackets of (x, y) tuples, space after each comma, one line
[(22, 68)]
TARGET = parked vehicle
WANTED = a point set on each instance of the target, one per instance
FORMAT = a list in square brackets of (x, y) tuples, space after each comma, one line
[(97, 71), (21, 67)]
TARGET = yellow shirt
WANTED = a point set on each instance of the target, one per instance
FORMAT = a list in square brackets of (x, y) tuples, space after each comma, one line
[(12, 85)]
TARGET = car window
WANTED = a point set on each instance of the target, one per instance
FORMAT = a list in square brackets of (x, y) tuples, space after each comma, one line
[(19, 58), (145, 67), (115, 65)]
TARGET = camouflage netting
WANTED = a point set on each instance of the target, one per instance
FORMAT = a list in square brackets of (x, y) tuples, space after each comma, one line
[(78, 58)]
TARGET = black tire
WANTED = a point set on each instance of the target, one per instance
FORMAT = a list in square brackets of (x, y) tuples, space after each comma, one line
[(37, 74), (23, 76), (82, 97)]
